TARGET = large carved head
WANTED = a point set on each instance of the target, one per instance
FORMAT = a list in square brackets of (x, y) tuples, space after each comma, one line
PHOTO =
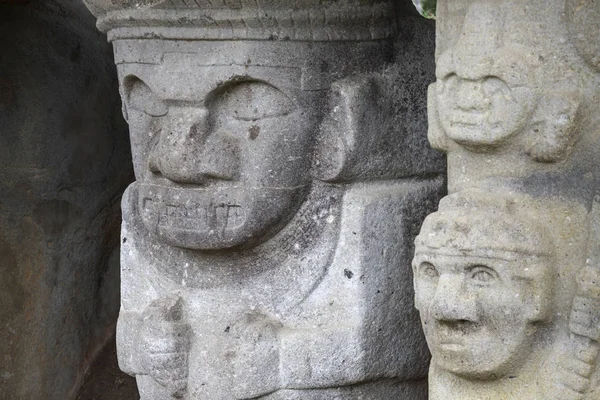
[(224, 101), (483, 272)]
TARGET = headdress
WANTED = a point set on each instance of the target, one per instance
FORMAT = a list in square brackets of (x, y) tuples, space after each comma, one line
[(303, 20), (486, 225)]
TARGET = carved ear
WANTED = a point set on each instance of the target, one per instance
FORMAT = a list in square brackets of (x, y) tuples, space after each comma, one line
[(435, 133), (538, 303), (555, 132), (372, 130), (351, 101)]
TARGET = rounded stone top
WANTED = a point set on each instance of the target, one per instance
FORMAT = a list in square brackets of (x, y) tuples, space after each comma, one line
[(302, 20)]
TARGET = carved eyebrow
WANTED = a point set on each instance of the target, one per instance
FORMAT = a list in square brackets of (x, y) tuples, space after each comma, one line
[(474, 265), (521, 278), (445, 253), (252, 100), (183, 103), (140, 95), (474, 268)]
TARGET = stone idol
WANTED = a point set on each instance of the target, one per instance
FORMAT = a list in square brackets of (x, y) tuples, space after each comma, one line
[(507, 271), (266, 243), (495, 276)]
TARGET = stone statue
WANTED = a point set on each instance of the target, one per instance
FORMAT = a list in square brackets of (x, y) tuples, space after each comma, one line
[(483, 280), (491, 284), (266, 240), (506, 270)]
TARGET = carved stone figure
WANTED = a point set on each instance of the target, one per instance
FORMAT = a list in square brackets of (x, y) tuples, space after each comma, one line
[(483, 280), (506, 270), (267, 237), (494, 287)]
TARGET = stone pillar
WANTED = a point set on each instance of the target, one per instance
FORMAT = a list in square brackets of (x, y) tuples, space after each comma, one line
[(266, 243), (507, 270)]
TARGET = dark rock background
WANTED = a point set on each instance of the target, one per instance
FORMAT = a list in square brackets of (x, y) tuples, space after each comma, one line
[(105, 381), (64, 162)]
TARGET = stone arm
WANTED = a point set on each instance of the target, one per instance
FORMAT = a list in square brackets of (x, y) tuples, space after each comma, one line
[(265, 357), (156, 343), (128, 332), (577, 365)]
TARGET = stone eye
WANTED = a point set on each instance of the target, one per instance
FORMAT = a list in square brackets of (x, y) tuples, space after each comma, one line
[(483, 274), (140, 97), (448, 83), (495, 86), (429, 270), (252, 101)]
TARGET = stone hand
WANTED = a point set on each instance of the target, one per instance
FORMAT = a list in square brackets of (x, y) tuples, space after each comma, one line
[(164, 344), (253, 353)]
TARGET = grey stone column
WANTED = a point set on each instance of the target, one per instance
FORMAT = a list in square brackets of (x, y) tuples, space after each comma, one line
[(507, 271), (282, 172)]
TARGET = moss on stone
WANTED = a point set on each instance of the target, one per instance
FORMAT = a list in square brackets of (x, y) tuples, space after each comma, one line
[(426, 7)]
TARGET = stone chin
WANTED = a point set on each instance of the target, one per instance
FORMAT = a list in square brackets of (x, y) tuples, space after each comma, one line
[(476, 132), (216, 218), (480, 356)]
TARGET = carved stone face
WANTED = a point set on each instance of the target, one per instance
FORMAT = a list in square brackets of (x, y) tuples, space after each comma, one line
[(222, 152), (480, 297), (483, 103)]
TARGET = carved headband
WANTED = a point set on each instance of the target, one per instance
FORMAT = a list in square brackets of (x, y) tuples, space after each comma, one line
[(486, 225)]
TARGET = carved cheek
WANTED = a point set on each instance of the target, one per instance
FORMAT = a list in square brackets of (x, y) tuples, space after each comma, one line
[(423, 298), (510, 111), (276, 151), (446, 104), (498, 303), (425, 290), (446, 95), (504, 111), (144, 134)]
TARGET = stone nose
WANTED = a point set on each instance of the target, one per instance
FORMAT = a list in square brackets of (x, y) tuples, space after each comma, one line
[(471, 96), (188, 151), (451, 303)]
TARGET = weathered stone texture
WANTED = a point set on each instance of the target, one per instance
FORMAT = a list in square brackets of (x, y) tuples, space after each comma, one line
[(281, 174), (506, 272), (63, 164)]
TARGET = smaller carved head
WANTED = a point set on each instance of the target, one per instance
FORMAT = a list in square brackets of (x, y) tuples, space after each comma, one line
[(491, 90), (485, 103), (483, 285)]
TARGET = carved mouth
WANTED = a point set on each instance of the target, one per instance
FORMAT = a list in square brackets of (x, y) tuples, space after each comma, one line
[(454, 336), (204, 182), (192, 210), (452, 347), (464, 124), (461, 118), (473, 121), (213, 218)]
